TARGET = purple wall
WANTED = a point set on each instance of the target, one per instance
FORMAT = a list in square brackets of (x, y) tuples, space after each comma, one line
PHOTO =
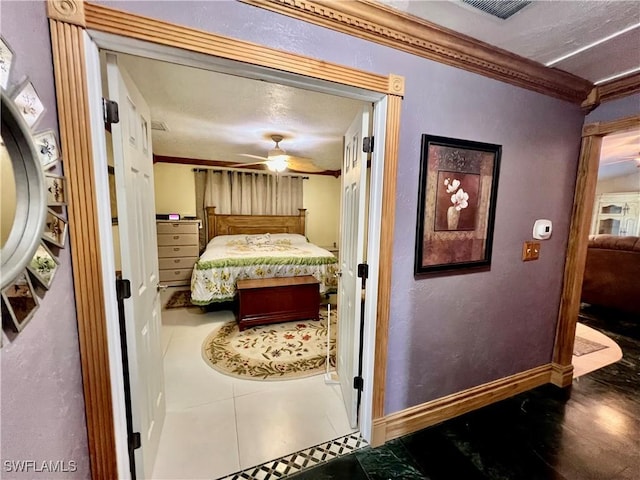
[(446, 334), (42, 406), (615, 109), (450, 333)]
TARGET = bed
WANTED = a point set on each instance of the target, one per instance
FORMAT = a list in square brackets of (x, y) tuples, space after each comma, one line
[(257, 246)]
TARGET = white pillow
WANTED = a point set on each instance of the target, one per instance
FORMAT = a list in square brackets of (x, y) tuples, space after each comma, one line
[(229, 240), (264, 239), (292, 238)]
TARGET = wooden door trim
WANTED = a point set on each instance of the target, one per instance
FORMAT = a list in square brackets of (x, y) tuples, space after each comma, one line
[(68, 20), (576, 257)]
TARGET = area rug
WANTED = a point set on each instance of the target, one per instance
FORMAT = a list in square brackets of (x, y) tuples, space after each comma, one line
[(582, 346), (179, 299), (278, 351)]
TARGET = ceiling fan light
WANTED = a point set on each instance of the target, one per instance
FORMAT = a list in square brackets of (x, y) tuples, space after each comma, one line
[(277, 164)]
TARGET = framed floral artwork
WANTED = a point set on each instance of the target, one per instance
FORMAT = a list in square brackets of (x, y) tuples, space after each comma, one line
[(43, 266), (55, 229), (456, 204), (56, 187), (19, 302)]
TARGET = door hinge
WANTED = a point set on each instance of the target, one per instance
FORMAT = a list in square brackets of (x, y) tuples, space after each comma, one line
[(367, 144), (110, 111), (358, 383), (135, 441), (363, 270), (123, 288)]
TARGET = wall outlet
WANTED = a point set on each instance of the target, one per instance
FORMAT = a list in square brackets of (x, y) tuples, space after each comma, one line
[(530, 251)]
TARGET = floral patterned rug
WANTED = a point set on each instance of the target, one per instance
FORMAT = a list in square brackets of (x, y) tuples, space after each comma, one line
[(179, 299), (280, 351)]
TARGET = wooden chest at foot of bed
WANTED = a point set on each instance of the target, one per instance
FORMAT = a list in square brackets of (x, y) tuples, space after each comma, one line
[(273, 300)]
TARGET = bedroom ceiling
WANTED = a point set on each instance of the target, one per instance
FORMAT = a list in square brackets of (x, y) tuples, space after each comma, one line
[(593, 39), (215, 116)]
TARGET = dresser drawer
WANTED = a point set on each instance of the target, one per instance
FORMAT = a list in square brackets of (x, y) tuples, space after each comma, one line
[(170, 227), (178, 251), (165, 239), (174, 275), (176, 263)]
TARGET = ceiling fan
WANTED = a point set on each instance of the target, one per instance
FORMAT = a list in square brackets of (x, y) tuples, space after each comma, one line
[(278, 161)]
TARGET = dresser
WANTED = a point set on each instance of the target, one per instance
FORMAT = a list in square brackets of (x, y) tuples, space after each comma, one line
[(177, 250), (617, 214)]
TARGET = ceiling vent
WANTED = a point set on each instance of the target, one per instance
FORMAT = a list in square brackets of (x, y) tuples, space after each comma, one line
[(158, 125), (498, 8)]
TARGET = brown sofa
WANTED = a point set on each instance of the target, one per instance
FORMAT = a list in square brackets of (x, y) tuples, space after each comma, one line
[(612, 272)]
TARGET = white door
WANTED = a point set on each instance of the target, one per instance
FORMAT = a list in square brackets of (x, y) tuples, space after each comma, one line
[(133, 164), (354, 171)]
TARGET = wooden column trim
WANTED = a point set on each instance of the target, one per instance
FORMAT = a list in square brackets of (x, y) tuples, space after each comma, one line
[(392, 141), (67, 11), (584, 197), (379, 23), (148, 29), (73, 113), (583, 200)]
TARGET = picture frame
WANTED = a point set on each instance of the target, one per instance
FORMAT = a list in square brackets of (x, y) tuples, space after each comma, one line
[(19, 302), (56, 189), (55, 229), (29, 104), (47, 148), (43, 266), (456, 204), (6, 60)]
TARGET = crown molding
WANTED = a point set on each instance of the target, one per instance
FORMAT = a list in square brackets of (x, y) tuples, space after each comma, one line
[(619, 88), (67, 11), (234, 165), (381, 24)]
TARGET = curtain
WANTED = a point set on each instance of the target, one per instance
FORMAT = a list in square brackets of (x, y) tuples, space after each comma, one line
[(201, 182), (240, 193)]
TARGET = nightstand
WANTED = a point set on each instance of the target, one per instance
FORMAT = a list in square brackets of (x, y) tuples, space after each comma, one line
[(334, 250)]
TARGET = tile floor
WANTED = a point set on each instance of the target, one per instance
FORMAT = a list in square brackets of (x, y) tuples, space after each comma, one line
[(216, 425)]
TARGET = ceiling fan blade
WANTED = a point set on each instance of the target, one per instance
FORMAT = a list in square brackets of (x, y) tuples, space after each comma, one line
[(253, 156), (303, 164)]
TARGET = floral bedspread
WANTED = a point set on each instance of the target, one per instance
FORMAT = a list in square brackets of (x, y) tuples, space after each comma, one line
[(220, 266)]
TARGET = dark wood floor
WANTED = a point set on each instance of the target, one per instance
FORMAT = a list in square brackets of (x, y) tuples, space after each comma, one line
[(588, 431)]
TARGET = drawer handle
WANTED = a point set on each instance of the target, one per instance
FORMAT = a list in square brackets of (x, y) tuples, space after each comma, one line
[(177, 260), (176, 237), (176, 272), (176, 249), (175, 225)]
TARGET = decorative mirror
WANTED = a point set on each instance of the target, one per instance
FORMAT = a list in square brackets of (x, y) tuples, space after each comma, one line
[(23, 194), (33, 203)]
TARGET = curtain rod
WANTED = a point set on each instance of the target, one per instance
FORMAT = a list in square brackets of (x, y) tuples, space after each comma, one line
[(224, 169)]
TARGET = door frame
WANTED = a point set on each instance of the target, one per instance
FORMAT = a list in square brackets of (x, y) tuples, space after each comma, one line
[(74, 27), (583, 202)]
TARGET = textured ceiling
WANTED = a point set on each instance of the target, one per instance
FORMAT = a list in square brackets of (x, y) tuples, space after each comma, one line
[(214, 116), (546, 31), (620, 155)]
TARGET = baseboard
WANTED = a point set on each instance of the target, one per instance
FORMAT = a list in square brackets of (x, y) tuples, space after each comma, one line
[(561, 375), (430, 413)]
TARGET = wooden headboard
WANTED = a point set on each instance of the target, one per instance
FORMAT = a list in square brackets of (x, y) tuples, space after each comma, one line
[(254, 224)]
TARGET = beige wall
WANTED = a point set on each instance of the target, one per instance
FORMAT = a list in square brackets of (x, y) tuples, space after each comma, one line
[(175, 193), (322, 201), (175, 189), (628, 183), (8, 191)]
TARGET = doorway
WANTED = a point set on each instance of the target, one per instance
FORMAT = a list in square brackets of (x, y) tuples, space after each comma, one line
[(240, 423), (375, 208)]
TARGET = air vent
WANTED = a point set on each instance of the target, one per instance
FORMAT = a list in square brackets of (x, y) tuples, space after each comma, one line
[(158, 125), (498, 8)]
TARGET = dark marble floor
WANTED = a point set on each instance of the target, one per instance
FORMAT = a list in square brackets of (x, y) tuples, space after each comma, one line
[(588, 431)]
